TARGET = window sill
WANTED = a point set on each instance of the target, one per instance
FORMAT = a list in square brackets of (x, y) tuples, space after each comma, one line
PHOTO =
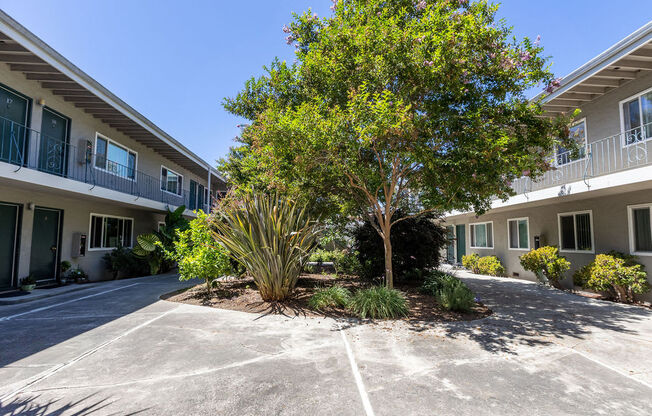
[(481, 248), (641, 253), (518, 249), (577, 251)]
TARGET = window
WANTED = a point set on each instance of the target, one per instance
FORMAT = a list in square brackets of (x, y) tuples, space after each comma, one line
[(640, 229), (198, 196), (482, 235), (636, 113), (577, 132), (518, 234), (160, 226), (114, 158), (108, 231), (576, 231), (171, 181)]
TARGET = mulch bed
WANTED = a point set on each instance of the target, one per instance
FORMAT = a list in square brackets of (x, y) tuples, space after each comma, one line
[(242, 295)]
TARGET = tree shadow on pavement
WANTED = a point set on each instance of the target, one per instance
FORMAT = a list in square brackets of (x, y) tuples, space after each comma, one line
[(32, 406), (530, 314)]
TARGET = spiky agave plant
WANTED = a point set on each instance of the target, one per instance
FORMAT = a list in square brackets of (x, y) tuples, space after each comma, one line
[(271, 237)]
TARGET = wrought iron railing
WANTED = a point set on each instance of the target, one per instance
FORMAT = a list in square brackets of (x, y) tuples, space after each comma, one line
[(29, 149), (617, 153)]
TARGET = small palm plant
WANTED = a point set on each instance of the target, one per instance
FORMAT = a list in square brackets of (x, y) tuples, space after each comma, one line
[(271, 237)]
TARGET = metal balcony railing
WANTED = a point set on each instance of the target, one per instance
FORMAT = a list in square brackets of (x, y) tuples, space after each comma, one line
[(617, 153), (28, 148)]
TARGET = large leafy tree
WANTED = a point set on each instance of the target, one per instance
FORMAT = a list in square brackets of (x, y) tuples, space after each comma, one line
[(396, 106)]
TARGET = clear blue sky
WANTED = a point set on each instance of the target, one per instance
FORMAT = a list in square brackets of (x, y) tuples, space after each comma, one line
[(174, 61)]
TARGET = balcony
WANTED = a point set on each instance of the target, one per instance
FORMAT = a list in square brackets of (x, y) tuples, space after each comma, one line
[(29, 149), (621, 152)]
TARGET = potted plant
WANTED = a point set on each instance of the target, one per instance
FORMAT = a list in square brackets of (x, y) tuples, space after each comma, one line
[(78, 274), (27, 284), (64, 267)]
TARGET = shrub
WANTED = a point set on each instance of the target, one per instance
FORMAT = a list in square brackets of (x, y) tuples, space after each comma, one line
[(470, 262), (271, 237), (546, 264), (331, 297), (491, 266), (379, 302), (122, 260), (435, 281), (451, 293), (416, 245), (455, 296), (197, 254), (619, 277)]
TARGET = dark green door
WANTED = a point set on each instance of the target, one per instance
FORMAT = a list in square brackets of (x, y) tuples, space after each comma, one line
[(450, 248), (13, 118), (8, 242), (52, 148), (45, 244), (192, 203), (460, 236)]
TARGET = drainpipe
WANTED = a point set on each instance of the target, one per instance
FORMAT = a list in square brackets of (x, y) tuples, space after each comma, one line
[(209, 191)]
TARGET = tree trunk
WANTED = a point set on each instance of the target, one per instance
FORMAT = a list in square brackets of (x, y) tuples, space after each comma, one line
[(389, 274)]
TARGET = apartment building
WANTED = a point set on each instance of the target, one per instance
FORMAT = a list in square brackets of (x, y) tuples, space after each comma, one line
[(586, 205), (81, 172)]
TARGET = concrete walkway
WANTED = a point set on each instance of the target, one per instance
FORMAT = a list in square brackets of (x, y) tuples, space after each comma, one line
[(117, 349)]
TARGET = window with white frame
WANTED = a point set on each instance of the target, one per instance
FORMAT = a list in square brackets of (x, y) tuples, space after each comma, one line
[(577, 133), (114, 158), (640, 229), (576, 231), (171, 181), (107, 231), (518, 234), (482, 234), (636, 114)]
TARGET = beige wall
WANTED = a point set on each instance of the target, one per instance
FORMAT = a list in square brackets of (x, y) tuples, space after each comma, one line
[(603, 114), (76, 218), (84, 126), (610, 230)]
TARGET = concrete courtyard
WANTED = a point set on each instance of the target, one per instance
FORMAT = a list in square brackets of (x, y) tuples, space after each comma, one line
[(117, 349)]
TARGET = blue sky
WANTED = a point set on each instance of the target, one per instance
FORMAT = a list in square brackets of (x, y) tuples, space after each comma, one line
[(174, 61)]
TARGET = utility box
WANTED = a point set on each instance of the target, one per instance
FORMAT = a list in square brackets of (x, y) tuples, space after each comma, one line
[(78, 245)]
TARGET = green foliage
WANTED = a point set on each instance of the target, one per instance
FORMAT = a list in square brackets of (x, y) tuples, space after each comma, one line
[(77, 274), (344, 262), (197, 254), (470, 262), (271, 237), (416, 246), (617, 274), (455, 296), (151, 246), (65, 266), (379, 302), (490, 265), (546, 263), (331, 297), (451, 293), (390, 106), (28, 280), (122, 260), (435, 281)]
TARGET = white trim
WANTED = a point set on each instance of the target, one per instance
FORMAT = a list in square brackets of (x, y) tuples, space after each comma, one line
[(179, 188), (492, 235), (636, 96), (574, 213), (106, 159), (509, 242), (630, 227), (586, 144), (90, 231)]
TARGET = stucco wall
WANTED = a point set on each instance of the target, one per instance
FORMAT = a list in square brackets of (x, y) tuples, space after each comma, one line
[(76, 218), (610, 230), (84, 126)]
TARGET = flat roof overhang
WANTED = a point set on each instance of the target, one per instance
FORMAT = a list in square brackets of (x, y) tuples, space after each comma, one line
[(25, 52), (627, 60)]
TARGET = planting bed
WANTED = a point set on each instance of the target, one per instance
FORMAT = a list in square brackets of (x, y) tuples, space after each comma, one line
[(241, 295)]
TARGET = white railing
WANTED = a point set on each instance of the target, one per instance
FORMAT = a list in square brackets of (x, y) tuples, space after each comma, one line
[(623, 151)]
